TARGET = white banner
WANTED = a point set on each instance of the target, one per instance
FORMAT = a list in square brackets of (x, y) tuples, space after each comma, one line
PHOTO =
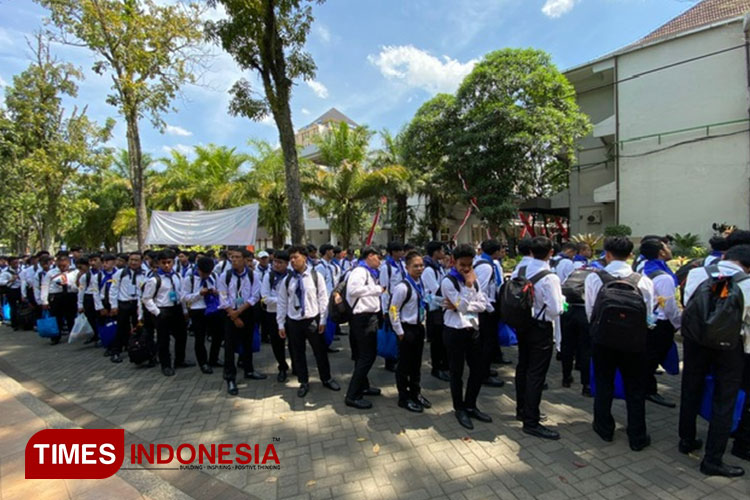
[(233, 226)]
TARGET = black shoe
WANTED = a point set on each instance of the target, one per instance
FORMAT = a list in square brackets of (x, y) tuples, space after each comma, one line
[(479, 415), (54, 340), (558, 356), (602, 434), (390, 368), (151, 363), (281, 377), (206, 368), (545, 386), (639, 445), (567, 382), (108, 353), (463, 418), (442, 375), (721, 469), (232, 388), (216, 364), (255, 376), (90, 341), (519, 416), (333, 350), (303, 389), (688, 445), (423, 401), (658, 399), (411, 406), (740, 452), (371, 391), (586, 391), (116, 358), (493, 382), (493, 372), (541, 431), (167, 371), (184, 364), (360, 404), (332, 384)]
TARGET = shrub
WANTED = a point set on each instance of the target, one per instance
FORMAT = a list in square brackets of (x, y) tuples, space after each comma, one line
[(618, 230)]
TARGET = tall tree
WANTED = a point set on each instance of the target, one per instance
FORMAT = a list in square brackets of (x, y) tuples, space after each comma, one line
[(51, 145), (149, 51), (392, 154), (268, 37)]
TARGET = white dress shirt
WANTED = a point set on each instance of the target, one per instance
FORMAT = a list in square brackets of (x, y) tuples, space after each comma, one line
[(11, 278), (191, 290), (469, 302), (363, 292), (105, 280), (38, 285), (127, 285), (270, 294), (726, 268), (390, 275), (27, 278), (409, 312), (487, 280), (183, 271), (564, 267), (524, 262), (315, 298), (164, 296), (54, 282), (244, 283), (330, 272), (618, 269), (89, 285), (664, 293)]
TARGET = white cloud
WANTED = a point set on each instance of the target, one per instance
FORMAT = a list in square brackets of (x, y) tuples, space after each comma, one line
[(180, 148), (556, 8), (175, 130), (305, 111), (323, 33), (319, 89), (420, 69), (268, 120), (3, 83)]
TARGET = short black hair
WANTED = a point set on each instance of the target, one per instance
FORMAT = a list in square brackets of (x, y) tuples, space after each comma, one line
[(139, 254), (582, 246), (651, 248), (738, 237), (310, 249), (60, 255), (281, 255), (719, 244), (45, 259), (94, 255), (524, 246), (619, 246), (108, 256), (491, 246), (325, 247), (83, 261), (432, 247), (411, 255), (739, 253), (664, 239), (541, 246), (337, 249), (165, 254), (247, 254), (570, 246), (205, 264), (367, 251), (76, 249), (463, 251), (394, 246), (408, 247), (300, 249)]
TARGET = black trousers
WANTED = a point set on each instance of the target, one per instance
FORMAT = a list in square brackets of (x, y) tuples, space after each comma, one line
[(278, 345), (438, 354), (363, 336), (127, 319), (410, 349), (89, 310), (64, 306), (299, 333), (535, 346), (632, 367), (488, 323), (742, 435), (576, 344), (234, 337), (203, 327), (464, 346), (727, 368), (658, 343), (13, 296), (171, 323)]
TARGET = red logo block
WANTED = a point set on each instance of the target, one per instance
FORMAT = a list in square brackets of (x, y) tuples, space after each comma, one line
[(75, 453)]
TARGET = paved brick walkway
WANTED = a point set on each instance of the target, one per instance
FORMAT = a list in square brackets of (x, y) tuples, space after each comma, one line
[(330, 451)]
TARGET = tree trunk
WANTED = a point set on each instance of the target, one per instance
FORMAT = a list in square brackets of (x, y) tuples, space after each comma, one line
[(433, 210), (401, 218), (137, 177), (283, 117)]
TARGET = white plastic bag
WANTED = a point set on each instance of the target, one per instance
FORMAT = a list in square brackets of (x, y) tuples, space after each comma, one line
[(81, 329)]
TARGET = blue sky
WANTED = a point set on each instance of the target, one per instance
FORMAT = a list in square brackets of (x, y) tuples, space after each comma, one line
[(378, 60)]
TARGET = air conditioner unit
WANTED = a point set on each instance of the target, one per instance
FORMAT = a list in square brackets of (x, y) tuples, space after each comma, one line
[(595, 217)]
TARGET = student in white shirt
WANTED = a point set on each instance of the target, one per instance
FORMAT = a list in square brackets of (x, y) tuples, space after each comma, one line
[(490, 280), (10, 278), (667, 312), (45, 263), (239, 292), (607, 359), (524, 250), (59, 294), (88, 288), (535, 345), (301, 315), (161, 296), (183, 267), (718, 246), (124, 296), (363, 293), (27, 280), (392, 272), (408, 314), (269, 293), (431, 277), (197, 290), (563, 263), (105, 281)]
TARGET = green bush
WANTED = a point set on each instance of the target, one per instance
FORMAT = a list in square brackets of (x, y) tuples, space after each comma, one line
[(618, 230), (687, 245)]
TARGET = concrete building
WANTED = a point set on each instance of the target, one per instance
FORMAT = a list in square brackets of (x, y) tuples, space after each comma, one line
[(670, 147)]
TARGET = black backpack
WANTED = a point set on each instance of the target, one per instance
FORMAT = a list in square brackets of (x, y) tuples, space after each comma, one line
[(139, 349), (573, 288), (619, 318), (517, 299), (714, 313), (339, 310), (682, 275), (492, 277)]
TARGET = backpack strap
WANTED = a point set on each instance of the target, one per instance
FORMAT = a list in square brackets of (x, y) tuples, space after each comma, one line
[(655, 274), (538, 276), (522, 272), (634, 279)]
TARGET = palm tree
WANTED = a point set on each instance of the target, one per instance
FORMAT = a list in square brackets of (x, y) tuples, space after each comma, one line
[(347, 187), (218, 170)]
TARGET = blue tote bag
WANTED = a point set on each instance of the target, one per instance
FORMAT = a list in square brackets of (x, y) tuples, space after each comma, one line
[(708, 394), (671, 363), (107, 332), (619, 392), (6, 312), (506, 335), (46, 326), (330, 332), (387, 342), (256, 338)]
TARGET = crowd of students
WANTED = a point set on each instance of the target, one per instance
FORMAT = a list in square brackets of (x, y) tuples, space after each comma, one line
[(602, 316)]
